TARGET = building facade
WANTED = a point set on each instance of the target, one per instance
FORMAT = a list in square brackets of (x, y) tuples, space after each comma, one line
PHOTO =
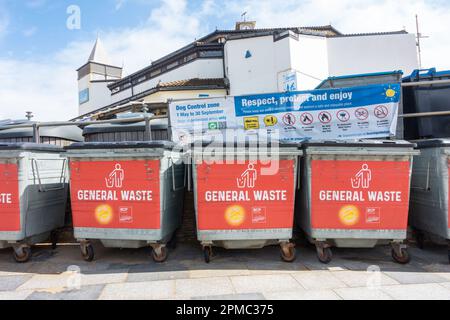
[(238, 62)]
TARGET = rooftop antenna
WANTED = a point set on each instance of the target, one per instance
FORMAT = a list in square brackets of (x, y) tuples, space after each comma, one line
[(29, 115), (243, 16), (419, 36)]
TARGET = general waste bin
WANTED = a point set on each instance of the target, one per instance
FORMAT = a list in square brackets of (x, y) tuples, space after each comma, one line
[(356, 195), (126, 194), (245, 199), (33, 195), (421, 98), (430, 186)]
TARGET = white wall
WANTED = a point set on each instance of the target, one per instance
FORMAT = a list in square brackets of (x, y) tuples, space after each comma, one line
[(99, 96), (309, 56), (259, 73), (368, 54)]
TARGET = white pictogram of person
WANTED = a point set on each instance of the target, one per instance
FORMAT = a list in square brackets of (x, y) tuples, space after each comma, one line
[(248, 178), (363, 178), (115, 178)]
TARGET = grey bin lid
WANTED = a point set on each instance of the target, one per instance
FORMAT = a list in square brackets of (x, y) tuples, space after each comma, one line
[(155, 124), (246, 144), (72, 133), (30, 147), (121, 145), (361, 80), (361, 144), (433, 143)]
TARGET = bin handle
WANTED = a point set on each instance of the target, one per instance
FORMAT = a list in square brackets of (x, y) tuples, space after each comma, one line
[(62, 178), (174, 187)]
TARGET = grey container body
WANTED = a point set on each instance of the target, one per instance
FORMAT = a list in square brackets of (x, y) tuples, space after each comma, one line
[(430, 190), (249, 238), (172, 174), (346, 238), (43, 190)]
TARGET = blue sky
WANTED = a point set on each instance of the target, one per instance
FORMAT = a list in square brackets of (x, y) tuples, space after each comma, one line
[(39, 54)]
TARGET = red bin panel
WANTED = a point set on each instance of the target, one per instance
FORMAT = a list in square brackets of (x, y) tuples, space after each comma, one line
[(115, 194), (363, 195), (9, 198), (238, 196)]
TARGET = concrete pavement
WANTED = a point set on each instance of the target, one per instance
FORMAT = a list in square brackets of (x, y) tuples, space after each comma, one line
[(243, 275)]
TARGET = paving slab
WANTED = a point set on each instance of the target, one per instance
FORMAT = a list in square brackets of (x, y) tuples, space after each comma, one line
[(264, 283), (204, 287), (316, 280), (11, 283), (84, 293), (302, 294), (362, 294), (15, 295), (431, 291), (415, 277), (152, 290), (242, 296), (53, 283), (157, 276), (364, 278)]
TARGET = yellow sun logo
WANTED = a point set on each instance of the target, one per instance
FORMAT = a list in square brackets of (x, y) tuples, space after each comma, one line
[(104, 214), (390, 93), (349, 215), (235, 216)]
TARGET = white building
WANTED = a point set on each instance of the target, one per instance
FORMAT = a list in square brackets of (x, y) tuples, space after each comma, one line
[(241, 61)]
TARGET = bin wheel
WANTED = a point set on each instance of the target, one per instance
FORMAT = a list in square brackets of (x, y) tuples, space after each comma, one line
[(24, 257), (54, 239), (162, 256), (324, 255), (405, 258), (207, 253), (88, 252), (288, 254)]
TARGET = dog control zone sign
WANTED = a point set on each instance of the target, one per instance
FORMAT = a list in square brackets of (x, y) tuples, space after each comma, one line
[(363, 195), (116, 194), (240, 197), (9, 198)]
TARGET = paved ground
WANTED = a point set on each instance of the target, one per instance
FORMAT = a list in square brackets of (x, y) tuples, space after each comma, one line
[(259, 274)]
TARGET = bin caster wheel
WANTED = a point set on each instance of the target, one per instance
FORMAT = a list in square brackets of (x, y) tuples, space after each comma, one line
[(23, 256), (87, 252), (54, 239), (288, 253), (404, 258), (324, 255), (160, 256), (207, 253)]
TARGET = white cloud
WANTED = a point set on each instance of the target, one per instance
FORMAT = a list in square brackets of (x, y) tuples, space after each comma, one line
[(30, 31), (49, 86)]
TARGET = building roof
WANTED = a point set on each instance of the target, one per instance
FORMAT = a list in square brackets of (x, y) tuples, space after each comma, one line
[(180, 85), (98, 53), (372, 34), (219, 83)]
